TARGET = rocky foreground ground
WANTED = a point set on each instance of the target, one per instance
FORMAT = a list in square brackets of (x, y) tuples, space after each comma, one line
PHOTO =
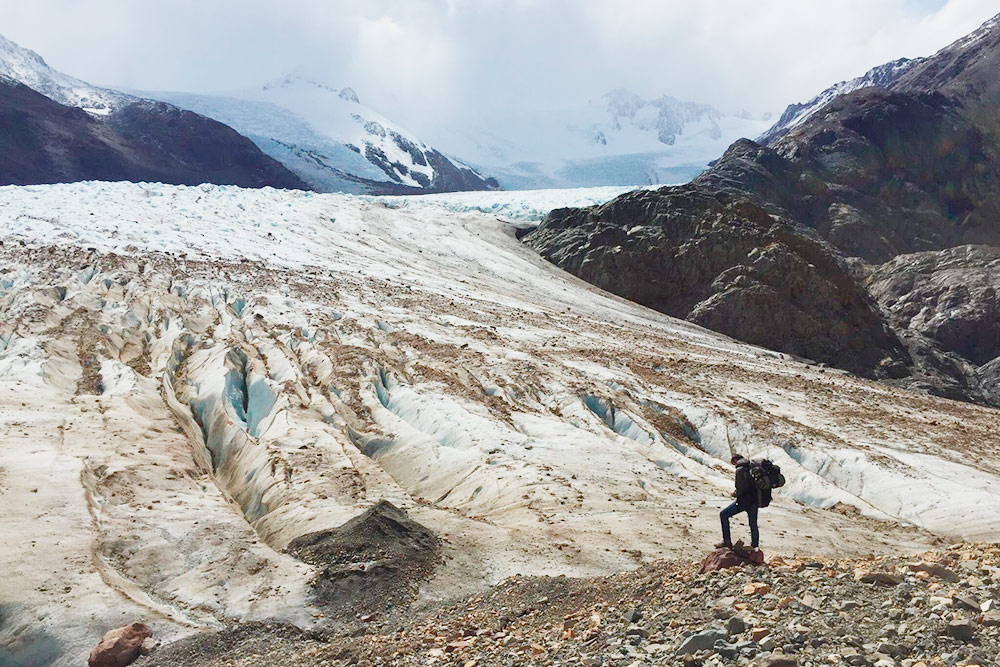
[(938, 608)]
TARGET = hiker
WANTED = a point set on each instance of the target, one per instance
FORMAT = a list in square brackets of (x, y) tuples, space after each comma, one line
[(748, 499)]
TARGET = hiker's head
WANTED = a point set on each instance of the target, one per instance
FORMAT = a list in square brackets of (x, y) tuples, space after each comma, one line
[(737, 458)]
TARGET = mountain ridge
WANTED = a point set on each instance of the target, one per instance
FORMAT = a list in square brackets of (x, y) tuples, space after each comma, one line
[(59, 128)]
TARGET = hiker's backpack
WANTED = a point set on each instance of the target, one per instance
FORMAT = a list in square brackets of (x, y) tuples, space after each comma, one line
[(766, 476)]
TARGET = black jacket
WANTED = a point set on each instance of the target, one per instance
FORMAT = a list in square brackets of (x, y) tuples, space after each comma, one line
[(747, 493)]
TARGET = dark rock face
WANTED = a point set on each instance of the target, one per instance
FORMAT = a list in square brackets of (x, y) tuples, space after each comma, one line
[(877, 174), (730, 266), (46, 142), (948, 303), (774, 245), (372, 563)]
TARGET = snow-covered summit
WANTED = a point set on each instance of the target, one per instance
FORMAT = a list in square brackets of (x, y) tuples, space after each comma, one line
[(27, 67), (331, 139), (665, 116), (884, 75)]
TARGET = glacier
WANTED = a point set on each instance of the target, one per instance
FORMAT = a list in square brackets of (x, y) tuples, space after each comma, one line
[(193, 377)]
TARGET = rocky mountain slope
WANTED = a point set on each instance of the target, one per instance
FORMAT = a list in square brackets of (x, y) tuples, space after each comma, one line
[(59, 129), (874, 174), (619, 138), (334, 142), (225, 406)]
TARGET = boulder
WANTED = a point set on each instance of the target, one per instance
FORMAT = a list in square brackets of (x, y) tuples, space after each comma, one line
[(121, 646)]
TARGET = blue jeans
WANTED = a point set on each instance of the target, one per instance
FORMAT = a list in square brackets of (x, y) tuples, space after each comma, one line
[(733, 510)]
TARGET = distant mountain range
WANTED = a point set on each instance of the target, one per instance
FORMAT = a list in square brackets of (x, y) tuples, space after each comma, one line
[(620, 138), (304, 133), (58, 129)]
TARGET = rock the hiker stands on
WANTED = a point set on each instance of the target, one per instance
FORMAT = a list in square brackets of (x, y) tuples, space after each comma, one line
[(735, 556)]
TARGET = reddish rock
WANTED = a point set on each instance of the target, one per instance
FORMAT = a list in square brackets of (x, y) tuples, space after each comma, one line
[(721, 559), (120, 647)]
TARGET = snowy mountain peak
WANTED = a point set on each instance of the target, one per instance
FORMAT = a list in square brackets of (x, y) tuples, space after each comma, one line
[(665, 116), (27, 67), (885, 76), (348, 95)]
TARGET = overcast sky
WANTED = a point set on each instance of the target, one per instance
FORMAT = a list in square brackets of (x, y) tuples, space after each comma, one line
[(421, 60)]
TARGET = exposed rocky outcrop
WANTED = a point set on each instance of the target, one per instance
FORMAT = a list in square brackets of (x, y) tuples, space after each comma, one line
[(729, 265), (947, 303), (758, 247), (46, 142)]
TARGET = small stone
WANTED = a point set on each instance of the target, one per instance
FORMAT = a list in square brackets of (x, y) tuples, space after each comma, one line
[(779, 660), (633, 615), (756, 634), (756, 588), (736, 626)]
